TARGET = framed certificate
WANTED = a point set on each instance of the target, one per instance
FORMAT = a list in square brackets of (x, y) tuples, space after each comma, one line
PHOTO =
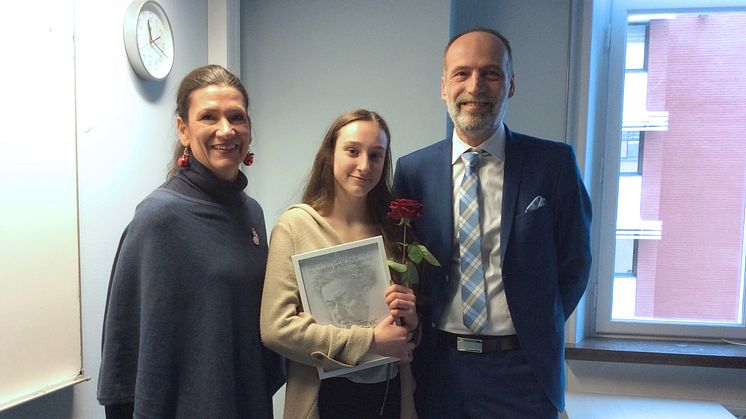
[(344, 285)]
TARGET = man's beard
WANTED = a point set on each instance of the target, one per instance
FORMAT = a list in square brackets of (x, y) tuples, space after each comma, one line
[(474, 123)]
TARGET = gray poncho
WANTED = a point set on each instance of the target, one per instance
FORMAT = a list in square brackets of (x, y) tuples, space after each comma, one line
[(181, 331)]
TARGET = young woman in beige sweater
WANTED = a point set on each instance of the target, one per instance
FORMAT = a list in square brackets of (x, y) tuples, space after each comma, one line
[(346, 199)]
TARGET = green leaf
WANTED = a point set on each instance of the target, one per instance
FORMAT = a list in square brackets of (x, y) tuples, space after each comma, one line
[(409, 277), (427, 255), (398, 267), (415, 254)]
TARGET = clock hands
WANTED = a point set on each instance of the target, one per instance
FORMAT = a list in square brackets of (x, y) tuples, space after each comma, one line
[(152, 41), (159, 48)]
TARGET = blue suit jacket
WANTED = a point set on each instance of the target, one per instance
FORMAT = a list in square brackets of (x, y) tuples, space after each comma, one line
[(545, 253)]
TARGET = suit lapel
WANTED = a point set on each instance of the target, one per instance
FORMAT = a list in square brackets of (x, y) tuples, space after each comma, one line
[(513, 167), (443, 189)]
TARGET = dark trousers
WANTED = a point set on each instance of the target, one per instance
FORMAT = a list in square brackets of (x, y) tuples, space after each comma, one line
[(120, 411), (462, 385), (340, 398)]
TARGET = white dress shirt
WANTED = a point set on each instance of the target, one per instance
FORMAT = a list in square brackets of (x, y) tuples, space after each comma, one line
[(491, 165)]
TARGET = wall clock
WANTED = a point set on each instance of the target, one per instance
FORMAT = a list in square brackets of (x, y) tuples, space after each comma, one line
[(148, 40)]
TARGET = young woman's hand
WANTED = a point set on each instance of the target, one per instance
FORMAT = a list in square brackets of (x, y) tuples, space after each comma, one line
[(402, 303), (390, 339)]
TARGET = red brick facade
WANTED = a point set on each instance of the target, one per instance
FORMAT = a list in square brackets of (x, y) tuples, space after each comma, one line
[(694, 174)]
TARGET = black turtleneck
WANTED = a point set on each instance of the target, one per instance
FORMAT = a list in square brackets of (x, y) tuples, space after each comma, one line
[(199, 182)]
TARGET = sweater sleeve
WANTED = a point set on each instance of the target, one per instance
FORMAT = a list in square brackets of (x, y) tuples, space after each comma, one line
[(289, 331)]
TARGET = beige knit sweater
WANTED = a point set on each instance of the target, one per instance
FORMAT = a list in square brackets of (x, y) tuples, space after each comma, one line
[(287, 330)]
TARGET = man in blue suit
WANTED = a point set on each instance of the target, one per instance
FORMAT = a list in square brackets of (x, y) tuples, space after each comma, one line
[(505, 359)]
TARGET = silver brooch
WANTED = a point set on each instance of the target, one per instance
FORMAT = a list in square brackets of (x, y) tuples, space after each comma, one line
[(255, 236)]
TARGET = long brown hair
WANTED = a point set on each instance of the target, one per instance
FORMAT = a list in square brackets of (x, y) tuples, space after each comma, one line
[(209, 75), (320, 192)]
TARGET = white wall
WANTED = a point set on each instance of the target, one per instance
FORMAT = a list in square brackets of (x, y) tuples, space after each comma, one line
[(125, 133), (306, 62)]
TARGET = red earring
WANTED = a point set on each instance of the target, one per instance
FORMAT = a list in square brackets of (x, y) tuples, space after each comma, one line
[(184, 159), (249, 159)]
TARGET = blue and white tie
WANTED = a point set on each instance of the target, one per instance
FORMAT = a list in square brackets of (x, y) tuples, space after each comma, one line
[(470, 247)]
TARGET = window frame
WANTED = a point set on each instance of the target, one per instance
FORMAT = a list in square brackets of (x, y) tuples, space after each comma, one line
[(608, 153)]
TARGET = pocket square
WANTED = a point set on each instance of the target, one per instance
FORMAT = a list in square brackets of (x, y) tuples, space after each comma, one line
[(537, 203)]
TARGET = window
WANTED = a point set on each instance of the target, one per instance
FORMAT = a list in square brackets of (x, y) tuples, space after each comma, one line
[(630, 152), (625, 257), (637, 46), (672, 253)]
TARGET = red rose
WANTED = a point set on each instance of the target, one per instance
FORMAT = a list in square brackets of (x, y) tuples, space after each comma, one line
[(408, 209), (402, 211)]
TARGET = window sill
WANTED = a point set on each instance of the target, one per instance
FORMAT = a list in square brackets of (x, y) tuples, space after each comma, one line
[(639, 351)]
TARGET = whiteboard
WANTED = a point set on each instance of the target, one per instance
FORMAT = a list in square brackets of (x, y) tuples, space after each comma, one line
[(40, 329)]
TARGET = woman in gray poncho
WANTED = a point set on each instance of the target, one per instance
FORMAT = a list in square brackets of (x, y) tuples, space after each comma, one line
[(181, 331)]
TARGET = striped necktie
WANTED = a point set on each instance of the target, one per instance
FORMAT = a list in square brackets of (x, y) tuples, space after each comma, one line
[(470, 247)]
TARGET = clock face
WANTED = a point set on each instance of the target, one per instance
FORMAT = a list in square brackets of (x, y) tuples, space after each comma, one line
[(154, 43), (148, 40)]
